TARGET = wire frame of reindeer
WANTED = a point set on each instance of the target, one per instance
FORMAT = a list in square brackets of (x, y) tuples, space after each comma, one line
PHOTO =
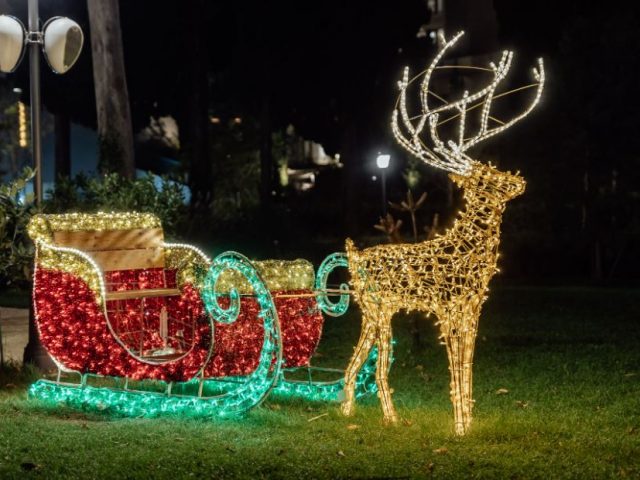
[(447, 276)]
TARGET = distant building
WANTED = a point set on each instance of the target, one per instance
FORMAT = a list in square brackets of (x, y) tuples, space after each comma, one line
[(476, 17), (479, 46)]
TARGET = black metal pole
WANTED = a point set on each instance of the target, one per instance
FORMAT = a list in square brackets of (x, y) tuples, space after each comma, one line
[(34, 352), (34, 79)]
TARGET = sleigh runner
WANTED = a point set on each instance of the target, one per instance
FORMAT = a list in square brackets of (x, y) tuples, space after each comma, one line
[(151, 327)]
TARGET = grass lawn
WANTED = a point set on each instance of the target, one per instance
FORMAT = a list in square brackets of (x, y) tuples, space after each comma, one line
[(569, 360)]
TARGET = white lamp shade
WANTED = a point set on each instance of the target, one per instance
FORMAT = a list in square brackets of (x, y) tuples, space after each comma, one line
[(12, 42), (383, 160), (62, 43)]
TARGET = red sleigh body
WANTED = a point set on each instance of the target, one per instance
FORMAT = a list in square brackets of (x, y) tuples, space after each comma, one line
[(109, 321)]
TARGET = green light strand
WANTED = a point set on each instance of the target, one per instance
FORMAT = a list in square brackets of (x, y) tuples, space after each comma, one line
[(236, 398), (327, 266), (330, 391)]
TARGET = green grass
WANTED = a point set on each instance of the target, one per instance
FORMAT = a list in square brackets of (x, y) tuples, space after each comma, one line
[(569, 358)]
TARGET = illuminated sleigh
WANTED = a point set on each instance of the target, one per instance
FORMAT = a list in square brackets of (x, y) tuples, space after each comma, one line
[(153, 327)]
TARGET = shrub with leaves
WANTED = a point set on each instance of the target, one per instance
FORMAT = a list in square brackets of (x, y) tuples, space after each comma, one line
[(16, 249), (113, 192), (410, 206)]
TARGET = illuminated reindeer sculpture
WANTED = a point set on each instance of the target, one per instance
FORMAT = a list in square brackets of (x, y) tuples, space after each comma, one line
[(449, 275)]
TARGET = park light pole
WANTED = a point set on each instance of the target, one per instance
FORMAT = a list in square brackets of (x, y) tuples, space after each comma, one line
[(61, 41), (382, 161)]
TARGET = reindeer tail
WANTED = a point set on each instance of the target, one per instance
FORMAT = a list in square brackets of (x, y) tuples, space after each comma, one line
[(353, 257), (352, 252)]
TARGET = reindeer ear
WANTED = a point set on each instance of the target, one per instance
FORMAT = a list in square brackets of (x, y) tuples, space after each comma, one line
[(459, 180)]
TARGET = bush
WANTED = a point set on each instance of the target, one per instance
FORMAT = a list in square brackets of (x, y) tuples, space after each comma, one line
[(16, 249), (112, 192)]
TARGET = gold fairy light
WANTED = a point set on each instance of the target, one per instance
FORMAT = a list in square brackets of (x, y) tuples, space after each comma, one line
[(449, 275), (279, 275), (22, 125)]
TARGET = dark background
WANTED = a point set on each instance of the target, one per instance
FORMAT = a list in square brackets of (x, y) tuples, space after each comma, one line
[(329, 68)]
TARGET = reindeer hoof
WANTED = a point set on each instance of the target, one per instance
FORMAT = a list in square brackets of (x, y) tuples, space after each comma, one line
[(391, 419), (347, 409)]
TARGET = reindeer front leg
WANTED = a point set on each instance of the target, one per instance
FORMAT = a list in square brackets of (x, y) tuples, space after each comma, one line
[(382, 369), (360, 354), (460, 342)]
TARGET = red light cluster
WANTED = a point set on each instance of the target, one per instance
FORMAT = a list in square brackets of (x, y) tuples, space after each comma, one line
[(74, 330)]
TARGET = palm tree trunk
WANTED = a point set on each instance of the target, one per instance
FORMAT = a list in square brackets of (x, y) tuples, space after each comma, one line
[(115, 131)]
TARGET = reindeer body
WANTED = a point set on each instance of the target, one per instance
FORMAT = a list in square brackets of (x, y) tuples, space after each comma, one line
[(449, 275)]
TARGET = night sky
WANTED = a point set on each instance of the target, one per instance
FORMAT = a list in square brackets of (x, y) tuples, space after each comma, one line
[(329, 68)]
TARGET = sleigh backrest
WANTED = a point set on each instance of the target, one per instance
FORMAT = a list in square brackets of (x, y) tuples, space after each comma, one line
[(116, 241)]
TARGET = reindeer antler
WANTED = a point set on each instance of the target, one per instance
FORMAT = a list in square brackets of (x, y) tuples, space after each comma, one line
[(451, 156)]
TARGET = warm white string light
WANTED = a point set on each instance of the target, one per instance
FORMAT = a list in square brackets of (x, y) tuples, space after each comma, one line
[(451, 156), (102, 291)]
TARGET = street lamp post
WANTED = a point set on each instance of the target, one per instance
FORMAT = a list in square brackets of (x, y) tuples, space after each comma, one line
[(34, 86), (61, 40), (382, 161)]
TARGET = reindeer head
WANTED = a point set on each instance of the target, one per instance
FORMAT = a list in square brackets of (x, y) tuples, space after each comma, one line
[(488, 180), (451, 155)]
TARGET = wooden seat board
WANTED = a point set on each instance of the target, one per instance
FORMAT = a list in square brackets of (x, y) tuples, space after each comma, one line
[(98, 240), (148, 293), (143, 258)]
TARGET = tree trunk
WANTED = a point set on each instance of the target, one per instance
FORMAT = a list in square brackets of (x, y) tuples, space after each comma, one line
[(62, 129), (200, 166), (112, 96)]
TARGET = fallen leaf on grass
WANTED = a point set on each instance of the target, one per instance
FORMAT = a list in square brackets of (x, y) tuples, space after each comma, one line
[(430, 466), (341, 453), (521, 404), (313, 419), (441, 451), (352, 426), (630, 374), (502, 391), (426, 377)]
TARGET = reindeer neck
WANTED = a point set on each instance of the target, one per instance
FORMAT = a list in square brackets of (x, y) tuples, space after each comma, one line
[(481, 215)]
